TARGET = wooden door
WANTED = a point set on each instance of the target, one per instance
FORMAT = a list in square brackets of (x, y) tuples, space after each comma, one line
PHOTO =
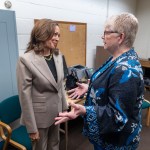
[(73, 42), (101, 56)]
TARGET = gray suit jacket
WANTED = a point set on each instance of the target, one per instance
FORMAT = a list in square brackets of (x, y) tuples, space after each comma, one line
[(41, 97)]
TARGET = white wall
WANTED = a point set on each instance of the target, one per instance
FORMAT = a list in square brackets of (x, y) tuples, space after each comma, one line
[(92, 12), (142, 43)]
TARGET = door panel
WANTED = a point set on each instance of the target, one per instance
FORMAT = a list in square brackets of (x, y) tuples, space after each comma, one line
[(9, 54), (73, 42)]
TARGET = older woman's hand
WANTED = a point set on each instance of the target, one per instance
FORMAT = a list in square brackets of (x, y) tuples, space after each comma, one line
[(76, 110), (78, 91)]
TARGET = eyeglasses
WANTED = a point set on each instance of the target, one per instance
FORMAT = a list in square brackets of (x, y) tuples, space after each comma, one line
[(109, 32)]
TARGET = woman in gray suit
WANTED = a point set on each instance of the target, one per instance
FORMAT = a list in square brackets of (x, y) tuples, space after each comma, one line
[(40, 85)]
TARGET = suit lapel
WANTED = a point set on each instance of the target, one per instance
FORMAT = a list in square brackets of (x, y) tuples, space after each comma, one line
[(40, 63)]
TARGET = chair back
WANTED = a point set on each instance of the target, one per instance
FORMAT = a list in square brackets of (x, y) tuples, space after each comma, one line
[(145, 104), (10, 109)]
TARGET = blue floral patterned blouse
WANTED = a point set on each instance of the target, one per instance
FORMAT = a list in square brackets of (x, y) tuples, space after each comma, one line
[(113, 104)]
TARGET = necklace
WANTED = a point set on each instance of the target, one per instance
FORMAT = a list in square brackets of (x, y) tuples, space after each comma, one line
[(48, 58)]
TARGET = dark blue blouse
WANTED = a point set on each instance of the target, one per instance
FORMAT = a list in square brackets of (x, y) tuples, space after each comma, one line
[(113, 104)]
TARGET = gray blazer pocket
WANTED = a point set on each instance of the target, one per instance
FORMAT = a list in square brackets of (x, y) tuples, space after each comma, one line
[(39, 104)]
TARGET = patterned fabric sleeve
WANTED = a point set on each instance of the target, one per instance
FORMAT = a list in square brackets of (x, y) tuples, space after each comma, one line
[(91, 125)]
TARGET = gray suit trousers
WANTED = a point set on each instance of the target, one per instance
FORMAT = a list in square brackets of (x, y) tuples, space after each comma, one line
[(49, 139)]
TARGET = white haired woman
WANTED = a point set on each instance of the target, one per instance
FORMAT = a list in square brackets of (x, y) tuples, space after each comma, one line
[(112, 111)]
